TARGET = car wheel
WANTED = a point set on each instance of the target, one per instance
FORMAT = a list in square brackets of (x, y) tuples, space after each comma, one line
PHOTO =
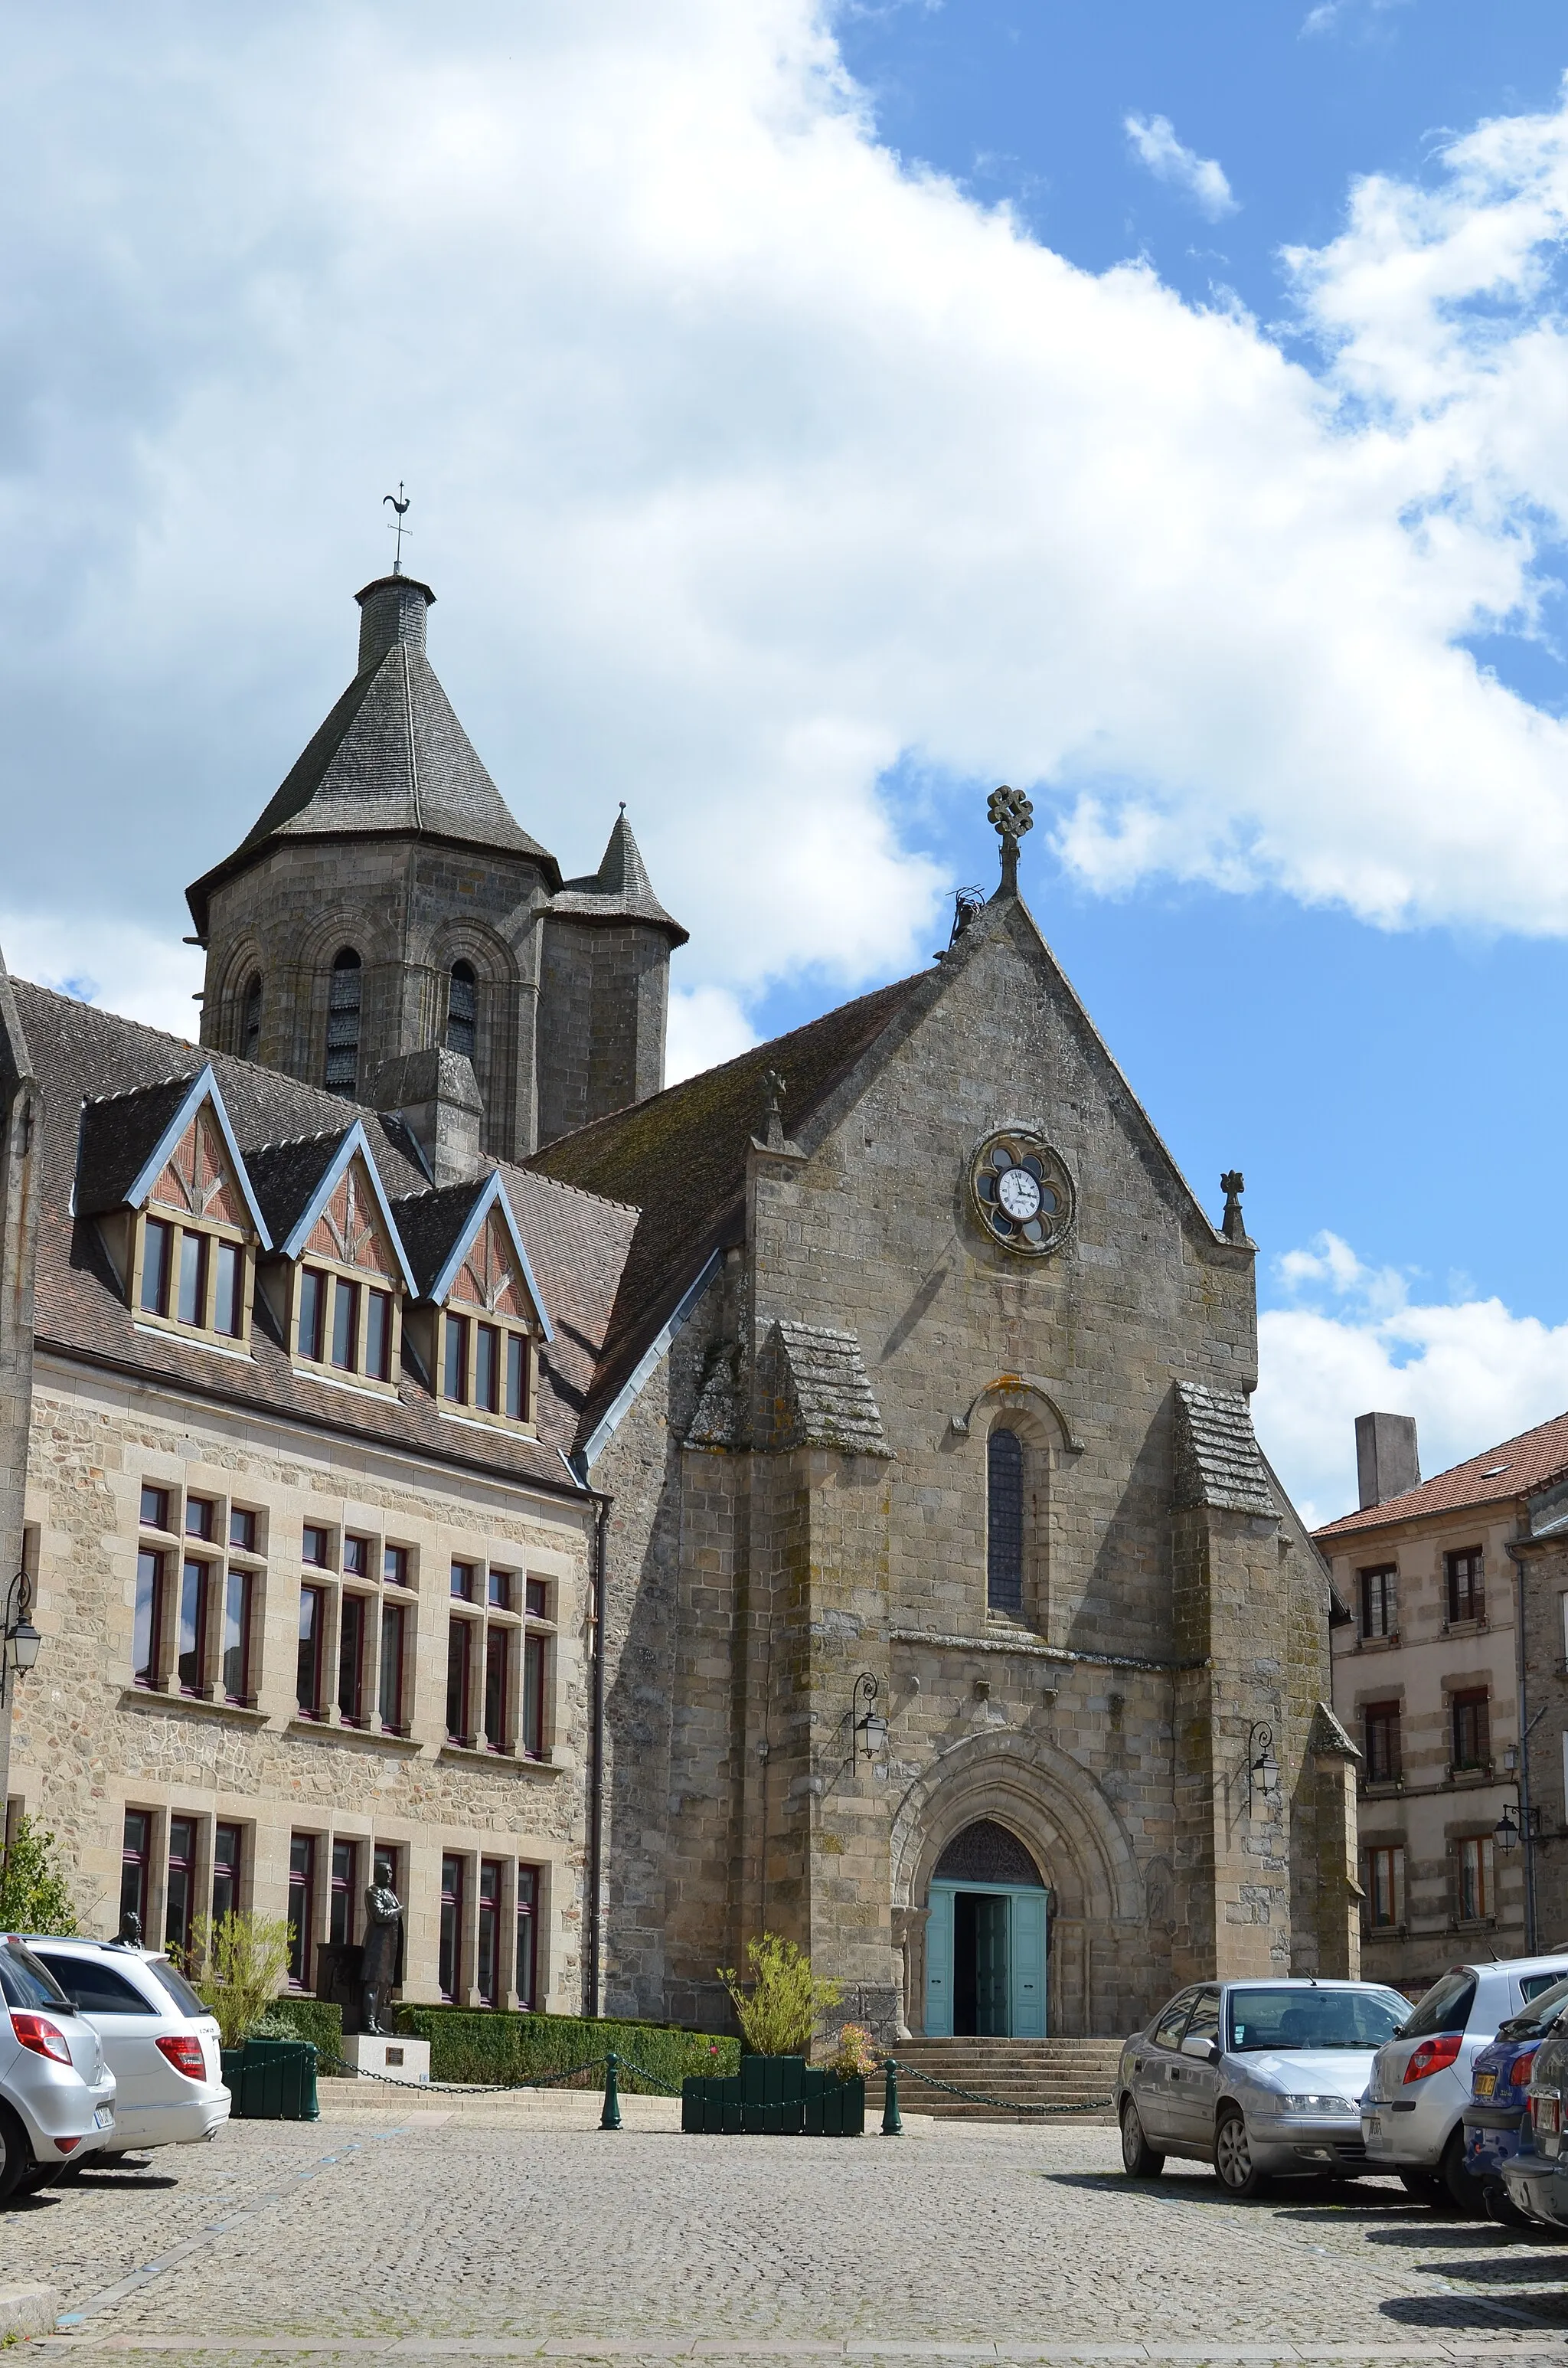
[(1461, 2192), (1233, 2166), (16, 2154), (1139, 2159)]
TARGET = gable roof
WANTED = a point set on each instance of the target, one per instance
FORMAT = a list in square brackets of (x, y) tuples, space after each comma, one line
[(1517, 1468), (391, 756), (680, 1158), (578, 1243), (444, 1225), (619, 890), (126, 1141), (332, 1162)]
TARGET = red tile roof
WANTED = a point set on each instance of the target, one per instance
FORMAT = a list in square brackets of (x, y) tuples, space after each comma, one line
[(1517, 1468)]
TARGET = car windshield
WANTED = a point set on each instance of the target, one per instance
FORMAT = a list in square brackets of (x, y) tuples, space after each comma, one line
[(170, 1978), (1308, 2019), (1542, 2011), (1446, 2005), (25, 1983)]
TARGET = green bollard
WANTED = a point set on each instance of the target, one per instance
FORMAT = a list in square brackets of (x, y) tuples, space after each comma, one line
[(610, 2118), (892, 2127)]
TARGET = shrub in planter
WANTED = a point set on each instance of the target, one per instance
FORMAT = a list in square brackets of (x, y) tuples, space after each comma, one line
[(779, 2013)]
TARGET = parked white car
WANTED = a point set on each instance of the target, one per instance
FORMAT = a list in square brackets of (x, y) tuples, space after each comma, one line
[(56, 2093), (1413, 2113), (159, 2041)]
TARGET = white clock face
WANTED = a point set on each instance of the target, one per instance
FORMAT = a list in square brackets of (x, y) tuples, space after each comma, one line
[(1018, 1192), (1021, 1191)]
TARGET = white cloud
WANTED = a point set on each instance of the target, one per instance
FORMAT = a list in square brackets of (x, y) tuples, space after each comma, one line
[(746, 462), (121, 966), (706, 1026), (1360, 1340), (1199, 177), (1330, 14)]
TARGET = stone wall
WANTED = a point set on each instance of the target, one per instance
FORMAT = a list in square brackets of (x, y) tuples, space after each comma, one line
[(88, 1742), (603, 990)]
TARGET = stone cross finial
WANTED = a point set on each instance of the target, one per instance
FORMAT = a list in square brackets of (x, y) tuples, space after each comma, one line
[(773, 1110), (1011, 815), (1233, 1225)]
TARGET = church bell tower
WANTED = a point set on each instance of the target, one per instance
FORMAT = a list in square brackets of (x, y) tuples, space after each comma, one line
[(386, 916)]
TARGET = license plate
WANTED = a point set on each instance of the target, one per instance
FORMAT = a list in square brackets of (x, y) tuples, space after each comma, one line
[(1374, 2126), (1486, 2082), (104, 2118)]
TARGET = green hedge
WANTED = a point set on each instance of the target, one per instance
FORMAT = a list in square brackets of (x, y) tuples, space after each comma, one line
[(314, 2019), (502, 2048)]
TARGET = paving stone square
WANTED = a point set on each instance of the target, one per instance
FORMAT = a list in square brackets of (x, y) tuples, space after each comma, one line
[(520, 2234)]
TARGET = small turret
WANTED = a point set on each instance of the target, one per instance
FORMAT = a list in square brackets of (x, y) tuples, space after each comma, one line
[(604, 991)]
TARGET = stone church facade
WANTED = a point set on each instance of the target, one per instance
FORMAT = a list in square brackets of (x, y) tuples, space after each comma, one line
[(818, 1497)]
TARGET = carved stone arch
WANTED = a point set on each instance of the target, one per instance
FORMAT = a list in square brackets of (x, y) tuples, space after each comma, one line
[(341, 928), (1018, 1543), (223, 1023), (495, 1024), (1072, 1831)]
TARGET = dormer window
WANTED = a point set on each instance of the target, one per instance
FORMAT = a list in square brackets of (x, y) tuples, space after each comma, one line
[(344, 1290), (343, 1002), (182, 1229), (462, 1010), (487, 1368)]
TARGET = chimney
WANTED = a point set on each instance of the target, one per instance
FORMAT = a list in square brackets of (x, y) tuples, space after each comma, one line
[(1386, 1461), (437, 1095), (391, 610)]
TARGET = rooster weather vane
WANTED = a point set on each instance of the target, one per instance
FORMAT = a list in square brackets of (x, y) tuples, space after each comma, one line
[(398, 502)]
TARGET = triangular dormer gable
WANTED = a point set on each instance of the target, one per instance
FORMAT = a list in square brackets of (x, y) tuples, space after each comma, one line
[(487, 1267), (346, 1216), (169, 1146)]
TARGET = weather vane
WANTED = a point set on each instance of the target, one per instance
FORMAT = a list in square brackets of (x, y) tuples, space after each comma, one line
[(399, 502)]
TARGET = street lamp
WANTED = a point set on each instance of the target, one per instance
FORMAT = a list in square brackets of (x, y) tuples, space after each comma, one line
[(1263, 1769), (871, 1727), (21, 1638)]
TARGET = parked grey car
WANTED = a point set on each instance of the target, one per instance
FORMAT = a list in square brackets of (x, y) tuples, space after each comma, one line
[(160, 2041), (1259, 2079), (56, 2093), (1413, 2114)]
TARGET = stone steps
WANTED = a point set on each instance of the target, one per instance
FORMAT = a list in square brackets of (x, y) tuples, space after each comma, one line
[(1016, 2073)]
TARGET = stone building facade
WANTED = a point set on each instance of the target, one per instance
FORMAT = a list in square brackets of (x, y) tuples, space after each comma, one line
[(820, 1496), (1448, 1672), (925, 1535)]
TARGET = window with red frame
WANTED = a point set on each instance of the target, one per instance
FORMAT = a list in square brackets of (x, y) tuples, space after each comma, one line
[(179, 1898), (460, 1659), (393, 1633), (191, 1662), (147, 1620), (449, 1966), (526, 1982), (135, 1865), (488, 1939), (312, 1630), (535, 1663), (237, 1588), (226, 1847), (342, 1908), (302, 1909)]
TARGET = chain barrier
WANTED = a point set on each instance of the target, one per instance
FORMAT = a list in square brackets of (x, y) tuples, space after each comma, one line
[(615, 2063), (903, 2071)]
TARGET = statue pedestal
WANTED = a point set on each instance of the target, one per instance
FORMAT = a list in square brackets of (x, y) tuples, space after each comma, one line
[(398, 2059)]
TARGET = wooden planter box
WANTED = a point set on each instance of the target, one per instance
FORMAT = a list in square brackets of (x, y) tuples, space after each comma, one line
[(775, 2096)]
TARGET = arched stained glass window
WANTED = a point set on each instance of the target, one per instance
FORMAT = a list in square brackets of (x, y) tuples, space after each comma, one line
[(1005, 1522), (250, 1021), (462, 1010), (343, 1023)]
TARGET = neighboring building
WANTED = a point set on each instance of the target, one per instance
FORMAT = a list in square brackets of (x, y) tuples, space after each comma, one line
[(878, 1402), (297, 1377), (1430, 1681)]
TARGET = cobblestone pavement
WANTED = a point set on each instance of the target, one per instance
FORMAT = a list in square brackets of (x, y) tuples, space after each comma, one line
[(369, 2236)]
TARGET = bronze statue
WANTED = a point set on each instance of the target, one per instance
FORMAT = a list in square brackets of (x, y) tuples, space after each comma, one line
[(383, 1929)]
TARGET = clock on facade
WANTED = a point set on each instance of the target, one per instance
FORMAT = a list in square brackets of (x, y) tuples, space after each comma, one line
[(1022, 1192)]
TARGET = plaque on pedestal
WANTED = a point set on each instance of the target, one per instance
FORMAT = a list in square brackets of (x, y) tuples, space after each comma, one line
[(396, 2059)]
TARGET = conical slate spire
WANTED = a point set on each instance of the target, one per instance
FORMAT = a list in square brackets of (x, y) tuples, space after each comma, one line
[(619, 890), (392, 757)]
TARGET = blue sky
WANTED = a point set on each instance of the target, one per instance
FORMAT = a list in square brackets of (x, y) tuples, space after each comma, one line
[(813, 418)]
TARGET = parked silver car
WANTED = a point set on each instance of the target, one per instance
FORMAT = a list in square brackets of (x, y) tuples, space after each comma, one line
[(1260, 2079), (161, 2042), (1413, 2113), (56, 2093)]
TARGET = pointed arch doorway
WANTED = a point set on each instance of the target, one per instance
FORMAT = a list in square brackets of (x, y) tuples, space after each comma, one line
[(986, 1939)]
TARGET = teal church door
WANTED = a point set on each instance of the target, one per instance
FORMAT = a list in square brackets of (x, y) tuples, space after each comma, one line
[(1026, 1969), (985, 1962)]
